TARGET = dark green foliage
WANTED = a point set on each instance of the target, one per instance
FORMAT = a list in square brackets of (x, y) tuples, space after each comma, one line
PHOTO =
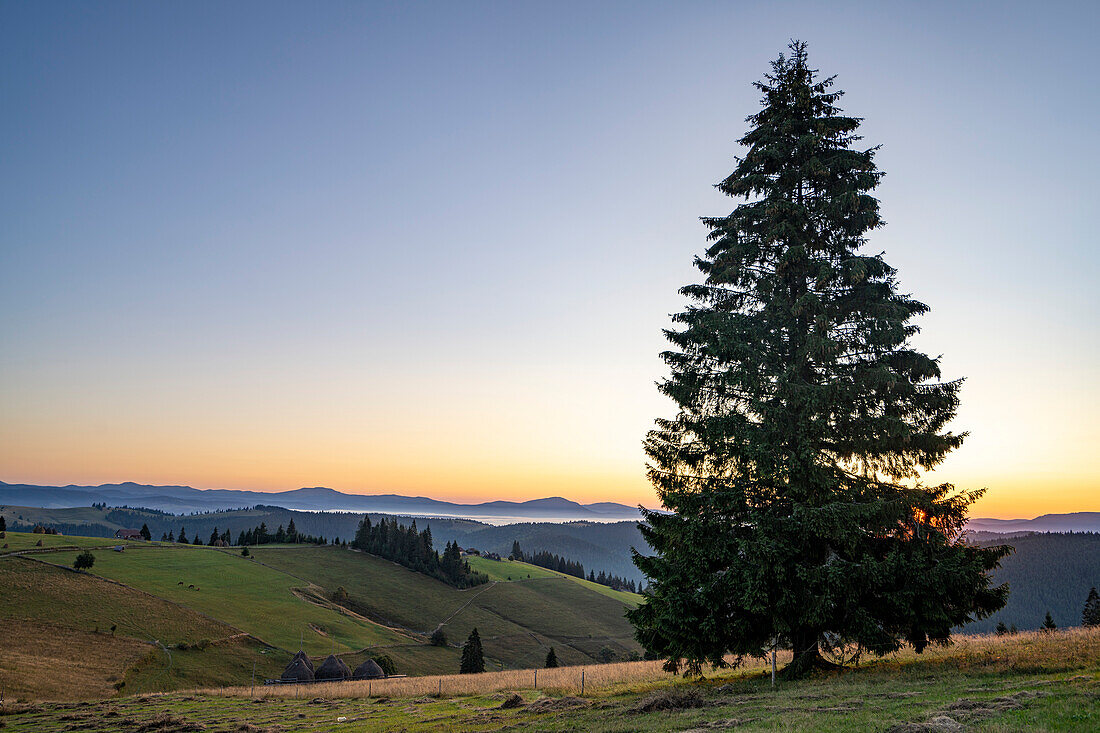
[(550, 561), (805, 415), (245, 552), (439, 637), (183, 537), (1001, 628), (171, 536), (262, 536), (145, 532), (606, 655), (1048, 623), (3, 524), (551, 659), (386, 663), (1091, 615), (196, 541), (473, 657), (414, 550), (1046, 571), (84, 560), (517, 552)]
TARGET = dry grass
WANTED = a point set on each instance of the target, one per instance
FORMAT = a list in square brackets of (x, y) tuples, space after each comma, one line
[(43, 661), (598, 678), (1028, 650), (1063, 650)]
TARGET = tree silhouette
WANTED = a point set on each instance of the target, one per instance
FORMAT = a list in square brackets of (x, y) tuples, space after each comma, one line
[(805, 415), (1091, 615), (473, 658)]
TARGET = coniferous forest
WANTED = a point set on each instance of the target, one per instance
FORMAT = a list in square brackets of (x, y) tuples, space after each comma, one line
[(406, 546)]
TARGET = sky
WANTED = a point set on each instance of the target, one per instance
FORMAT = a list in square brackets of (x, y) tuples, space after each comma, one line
[(429, 248)]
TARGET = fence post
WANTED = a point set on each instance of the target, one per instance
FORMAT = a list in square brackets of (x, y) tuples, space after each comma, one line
[(252, 691), (440, 693), (368, 688), (582, 683), (536, 679)]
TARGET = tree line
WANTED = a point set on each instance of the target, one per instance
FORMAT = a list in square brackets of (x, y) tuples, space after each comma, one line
[(414, 550), (550, 561)]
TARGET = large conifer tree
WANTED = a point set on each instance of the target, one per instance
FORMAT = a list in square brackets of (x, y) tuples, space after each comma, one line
[(804, 417)]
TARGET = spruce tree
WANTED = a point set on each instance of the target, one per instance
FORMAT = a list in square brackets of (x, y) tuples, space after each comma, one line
[(473, 658), (3, 524), (1091, 615), (804, 416), (551, 659), (183, 536), (146, 533), (1048, 623)]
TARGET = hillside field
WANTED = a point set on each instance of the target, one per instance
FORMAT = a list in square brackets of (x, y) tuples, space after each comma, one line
[(191, 616), (518, 621), (987, 684)]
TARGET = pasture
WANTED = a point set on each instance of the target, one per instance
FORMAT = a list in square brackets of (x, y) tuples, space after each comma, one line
[(1030, 681)]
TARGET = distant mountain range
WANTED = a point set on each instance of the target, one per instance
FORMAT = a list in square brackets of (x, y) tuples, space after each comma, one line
[(185, 499), (1073, 522)]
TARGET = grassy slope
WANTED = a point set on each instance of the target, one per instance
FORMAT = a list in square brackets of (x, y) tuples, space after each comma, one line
[(240, 592), (987, 684), (55, 632), (518, 621), (510, 570), (21, 541)]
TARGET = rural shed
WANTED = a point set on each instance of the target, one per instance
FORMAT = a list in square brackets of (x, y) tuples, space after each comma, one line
[(128, 534)]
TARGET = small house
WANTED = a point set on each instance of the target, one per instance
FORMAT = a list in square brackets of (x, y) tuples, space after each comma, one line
[(128, 534)]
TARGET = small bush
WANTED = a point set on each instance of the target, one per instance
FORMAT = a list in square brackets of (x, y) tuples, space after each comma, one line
[(439, 637), (84, 560), (387, 665)]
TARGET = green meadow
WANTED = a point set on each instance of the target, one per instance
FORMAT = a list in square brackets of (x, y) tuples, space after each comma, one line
[(240, 592)]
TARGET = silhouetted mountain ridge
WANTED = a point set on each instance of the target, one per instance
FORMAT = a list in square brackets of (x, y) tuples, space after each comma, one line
[(184, 499)]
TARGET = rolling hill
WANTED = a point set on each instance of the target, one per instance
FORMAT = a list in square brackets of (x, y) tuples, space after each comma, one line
[(163, 616)]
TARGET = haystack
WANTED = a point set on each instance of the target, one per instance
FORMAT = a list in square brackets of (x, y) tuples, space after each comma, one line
[(333, 668), (305, 658), (368, 670), (297, 671)]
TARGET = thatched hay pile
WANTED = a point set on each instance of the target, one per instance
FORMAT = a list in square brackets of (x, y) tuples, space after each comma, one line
[(368, 670), (300, 669), (333, 668)]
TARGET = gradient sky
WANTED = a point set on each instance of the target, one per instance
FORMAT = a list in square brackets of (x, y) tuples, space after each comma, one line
[(429, 248)]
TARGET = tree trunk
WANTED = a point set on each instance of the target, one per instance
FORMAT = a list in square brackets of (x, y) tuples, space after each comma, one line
[(807, 655)]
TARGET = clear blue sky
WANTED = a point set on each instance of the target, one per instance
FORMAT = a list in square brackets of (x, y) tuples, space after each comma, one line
[(429, 247)]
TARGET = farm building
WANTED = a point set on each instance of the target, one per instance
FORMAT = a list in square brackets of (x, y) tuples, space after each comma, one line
[(128, 534)]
